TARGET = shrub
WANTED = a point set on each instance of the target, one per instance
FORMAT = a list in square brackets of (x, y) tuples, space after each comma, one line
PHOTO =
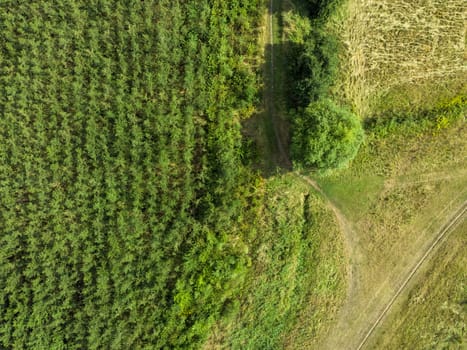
[(312, 69), (325, 136), (322, 8)]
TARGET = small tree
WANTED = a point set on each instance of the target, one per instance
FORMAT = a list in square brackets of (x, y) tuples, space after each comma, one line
[(325, 136)]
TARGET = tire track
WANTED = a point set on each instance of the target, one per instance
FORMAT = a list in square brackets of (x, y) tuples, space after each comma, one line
[(444, 232), (285, 161)]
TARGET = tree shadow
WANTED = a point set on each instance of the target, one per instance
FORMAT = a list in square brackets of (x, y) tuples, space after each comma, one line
[(267, 133)]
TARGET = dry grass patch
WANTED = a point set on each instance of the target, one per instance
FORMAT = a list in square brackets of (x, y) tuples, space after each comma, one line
[(401, 53), (414, 184), (434, 314)]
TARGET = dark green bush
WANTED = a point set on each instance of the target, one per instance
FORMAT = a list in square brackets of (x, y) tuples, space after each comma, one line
[(321, 8), (312, 68), (325, 136)]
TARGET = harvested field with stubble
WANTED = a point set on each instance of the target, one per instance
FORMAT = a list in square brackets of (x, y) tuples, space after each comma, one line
[(401, 53)]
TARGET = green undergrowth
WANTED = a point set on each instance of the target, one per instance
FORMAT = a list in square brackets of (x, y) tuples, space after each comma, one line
[(415, 121), (410, 99), (297, 281), (312, 52)]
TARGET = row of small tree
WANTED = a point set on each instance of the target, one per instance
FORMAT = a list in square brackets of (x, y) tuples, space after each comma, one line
[(324, 135)]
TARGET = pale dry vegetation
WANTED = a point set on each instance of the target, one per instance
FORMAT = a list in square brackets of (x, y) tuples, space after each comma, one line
[(434, 313), (398, 193), (401, 53)]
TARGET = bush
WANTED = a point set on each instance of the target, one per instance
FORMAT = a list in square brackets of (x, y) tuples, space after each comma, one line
[(322, 8), (313, 66), (325, 136)]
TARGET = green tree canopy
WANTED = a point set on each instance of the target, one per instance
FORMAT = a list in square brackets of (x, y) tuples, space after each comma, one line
[(322, 8), (312, 67), (325, 136)]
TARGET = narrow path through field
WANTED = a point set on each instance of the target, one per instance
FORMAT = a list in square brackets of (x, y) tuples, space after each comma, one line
[(271, 93), (355, 339)]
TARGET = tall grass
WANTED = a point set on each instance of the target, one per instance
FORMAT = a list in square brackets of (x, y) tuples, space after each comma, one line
[(297, 281)]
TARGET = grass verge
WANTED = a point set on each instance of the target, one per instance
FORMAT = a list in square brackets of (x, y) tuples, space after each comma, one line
[(400, 189), (297, 282)]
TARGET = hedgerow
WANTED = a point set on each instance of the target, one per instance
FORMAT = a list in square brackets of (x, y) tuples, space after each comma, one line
[(324, 136)]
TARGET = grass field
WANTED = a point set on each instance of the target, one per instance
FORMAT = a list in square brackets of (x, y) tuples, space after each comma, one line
[(403, 185), (401, 54), (130, 217), (400, 189), (399, 59), (434, 314), (397, 193)]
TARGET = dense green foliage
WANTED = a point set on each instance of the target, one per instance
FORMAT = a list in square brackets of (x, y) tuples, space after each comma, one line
[(124, 205), (321, 8), (312, 68), (325, 136), (312, 52)]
